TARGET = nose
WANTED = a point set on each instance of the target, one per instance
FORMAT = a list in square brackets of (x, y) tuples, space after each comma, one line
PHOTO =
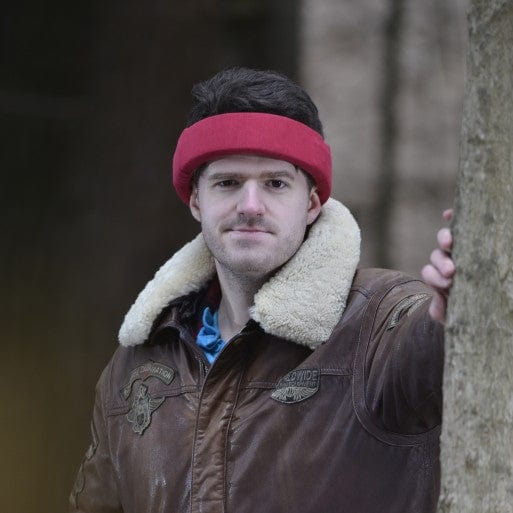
[(250, 202)]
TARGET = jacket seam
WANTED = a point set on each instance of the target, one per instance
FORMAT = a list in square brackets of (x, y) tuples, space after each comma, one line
[(118, 410), (271, 384), (226, 440), (335, 372), (255, 385), (365, 292), (194, 441)]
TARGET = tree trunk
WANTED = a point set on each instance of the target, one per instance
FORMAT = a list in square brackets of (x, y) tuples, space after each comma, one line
[(477, 436)]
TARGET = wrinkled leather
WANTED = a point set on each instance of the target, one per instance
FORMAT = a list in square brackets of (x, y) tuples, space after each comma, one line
[(366, 441)]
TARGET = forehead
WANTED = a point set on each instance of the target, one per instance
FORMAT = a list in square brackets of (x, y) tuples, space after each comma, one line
[(248, 164)]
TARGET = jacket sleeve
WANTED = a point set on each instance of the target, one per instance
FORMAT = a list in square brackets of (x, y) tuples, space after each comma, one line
[(95, 489), (405, 362)]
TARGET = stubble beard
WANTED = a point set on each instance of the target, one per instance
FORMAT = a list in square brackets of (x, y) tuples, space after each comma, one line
[(251, 261)]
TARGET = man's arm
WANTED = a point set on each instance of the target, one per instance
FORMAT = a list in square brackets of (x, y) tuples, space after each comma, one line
[(405, 364), (440, 271)]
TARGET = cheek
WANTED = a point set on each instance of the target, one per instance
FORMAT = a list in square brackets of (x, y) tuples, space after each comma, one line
[(294, 228), (213, 206), (213, 221)]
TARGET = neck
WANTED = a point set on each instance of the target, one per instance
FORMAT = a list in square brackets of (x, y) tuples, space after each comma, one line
[(238, 294)]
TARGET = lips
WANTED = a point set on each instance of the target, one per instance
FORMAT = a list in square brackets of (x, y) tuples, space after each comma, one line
[(248, 230), (249, 234)]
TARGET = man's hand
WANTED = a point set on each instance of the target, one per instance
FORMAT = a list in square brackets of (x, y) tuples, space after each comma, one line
[(440, 271)]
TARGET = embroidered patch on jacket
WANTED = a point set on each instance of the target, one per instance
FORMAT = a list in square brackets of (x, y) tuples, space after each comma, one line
[(142, 409), (148, 370), (406, 307), (297, 386)]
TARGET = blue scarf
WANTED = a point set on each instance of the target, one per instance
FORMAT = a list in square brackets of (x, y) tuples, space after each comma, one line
[(209, 338)]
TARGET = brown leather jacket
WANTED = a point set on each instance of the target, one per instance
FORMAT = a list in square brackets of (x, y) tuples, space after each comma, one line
[(273, 425)]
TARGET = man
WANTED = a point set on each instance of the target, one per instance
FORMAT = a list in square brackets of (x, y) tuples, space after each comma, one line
[(260, 370)]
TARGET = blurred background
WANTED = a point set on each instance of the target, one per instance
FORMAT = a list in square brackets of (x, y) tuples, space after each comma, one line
[(93, 96)]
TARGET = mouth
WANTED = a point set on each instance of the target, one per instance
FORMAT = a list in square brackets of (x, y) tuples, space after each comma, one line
[(248, 230), (245, 231)]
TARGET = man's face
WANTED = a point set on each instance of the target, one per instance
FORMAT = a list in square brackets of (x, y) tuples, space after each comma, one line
[(254, 212)]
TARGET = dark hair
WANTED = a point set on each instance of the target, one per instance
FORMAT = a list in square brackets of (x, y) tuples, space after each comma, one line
[(250, 90)]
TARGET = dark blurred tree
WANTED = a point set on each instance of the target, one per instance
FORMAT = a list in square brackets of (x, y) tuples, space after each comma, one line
[(388, 130), (477, 439)]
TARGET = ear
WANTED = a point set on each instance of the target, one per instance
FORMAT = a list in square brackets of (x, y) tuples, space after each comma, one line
[(314, 206), (194, 205)]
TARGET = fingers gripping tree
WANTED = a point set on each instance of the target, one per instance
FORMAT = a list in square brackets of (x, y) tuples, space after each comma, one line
[(477, 434)]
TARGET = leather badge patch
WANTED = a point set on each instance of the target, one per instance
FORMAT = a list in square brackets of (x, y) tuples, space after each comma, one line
[(148, 370), (142, 409), (296, 386), (406, 307)]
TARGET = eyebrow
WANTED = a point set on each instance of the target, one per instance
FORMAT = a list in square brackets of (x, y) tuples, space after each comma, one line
[(270, 175)]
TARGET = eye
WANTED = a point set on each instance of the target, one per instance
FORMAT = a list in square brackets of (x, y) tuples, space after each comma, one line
[(226, 183), (277, 184)]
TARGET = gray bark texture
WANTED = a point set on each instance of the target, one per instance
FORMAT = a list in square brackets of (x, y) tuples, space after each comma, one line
[(477, 434)]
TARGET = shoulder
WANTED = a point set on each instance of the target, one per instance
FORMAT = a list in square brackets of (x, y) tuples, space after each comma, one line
[(387, 288), (373, 280), (386, 298)]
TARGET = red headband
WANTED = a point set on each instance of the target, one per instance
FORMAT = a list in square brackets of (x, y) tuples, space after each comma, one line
[(256, 133)]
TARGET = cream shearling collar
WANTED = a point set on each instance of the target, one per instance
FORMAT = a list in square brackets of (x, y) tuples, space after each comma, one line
[(302, 302)]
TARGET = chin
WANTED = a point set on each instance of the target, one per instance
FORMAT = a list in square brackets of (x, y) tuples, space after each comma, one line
[(251, 267), (251, 262)]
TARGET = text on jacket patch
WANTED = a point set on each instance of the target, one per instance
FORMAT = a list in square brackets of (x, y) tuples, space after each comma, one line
[(148, 370), (297, 386)]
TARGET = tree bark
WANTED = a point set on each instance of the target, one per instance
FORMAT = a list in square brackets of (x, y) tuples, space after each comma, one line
[(477, 435)]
